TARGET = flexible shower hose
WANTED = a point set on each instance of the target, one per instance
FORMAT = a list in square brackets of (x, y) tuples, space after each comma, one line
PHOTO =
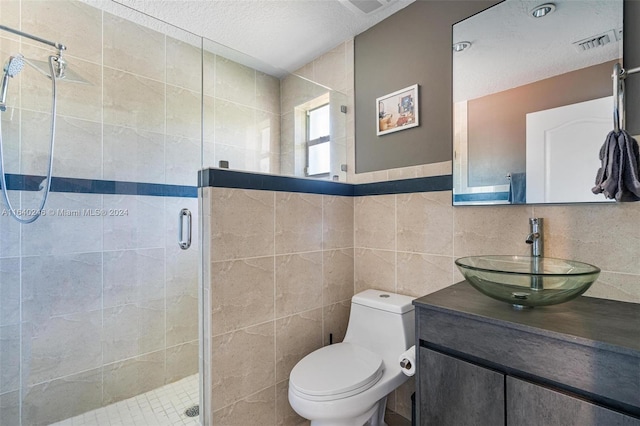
[(3, 179)]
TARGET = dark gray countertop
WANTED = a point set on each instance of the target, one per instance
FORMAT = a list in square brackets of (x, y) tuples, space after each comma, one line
[(602, 323)]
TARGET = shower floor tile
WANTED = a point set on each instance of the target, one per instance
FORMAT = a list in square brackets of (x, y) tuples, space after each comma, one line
[(163, 406)]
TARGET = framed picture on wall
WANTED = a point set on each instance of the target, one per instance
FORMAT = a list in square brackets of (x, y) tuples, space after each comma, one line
[(397, 111)]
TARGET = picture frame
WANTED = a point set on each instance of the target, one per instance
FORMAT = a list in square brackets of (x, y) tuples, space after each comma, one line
[(397, 111)]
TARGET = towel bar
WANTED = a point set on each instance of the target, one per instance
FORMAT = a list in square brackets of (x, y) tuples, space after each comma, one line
[(618, 76)]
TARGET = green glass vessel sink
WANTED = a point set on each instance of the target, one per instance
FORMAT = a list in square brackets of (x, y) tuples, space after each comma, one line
[(525, 281)]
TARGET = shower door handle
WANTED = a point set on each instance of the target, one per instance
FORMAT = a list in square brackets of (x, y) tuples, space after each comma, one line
[(184, 242)]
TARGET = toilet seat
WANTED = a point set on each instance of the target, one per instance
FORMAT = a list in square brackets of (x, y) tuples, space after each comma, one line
[(335, 372)]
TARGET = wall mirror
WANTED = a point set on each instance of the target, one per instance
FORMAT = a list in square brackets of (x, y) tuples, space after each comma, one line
[(532, 100)]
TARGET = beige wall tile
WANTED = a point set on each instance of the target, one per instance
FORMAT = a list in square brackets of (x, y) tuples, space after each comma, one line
[(131, 154), (336, 319), (244, 363), (614, 286), (338, 273), (182, 361), (10, 15), (285, 415), (337, 222), (298, 222), (184, 65), (242, 223), (9, 359), (375, 222), (242, 293), (491, 230), (298, 283), (81, 30), (132, 377), (10, 408), (256, 409), (235, 125), (133, 101), (374, 269), (183, 112), (425, 223), (330, 69), (296, 336), (181, 319), (133, 48), (607, 236), (235, 82), (267, 93), (420, 274)]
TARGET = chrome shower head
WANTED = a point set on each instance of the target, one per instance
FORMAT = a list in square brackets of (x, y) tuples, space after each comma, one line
[(13, 66)]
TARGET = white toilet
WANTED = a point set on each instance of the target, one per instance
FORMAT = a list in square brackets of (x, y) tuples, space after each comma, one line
[(346, 384)]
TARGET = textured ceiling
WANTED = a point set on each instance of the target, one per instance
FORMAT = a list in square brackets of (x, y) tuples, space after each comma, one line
[(510, 48), (279, 34)]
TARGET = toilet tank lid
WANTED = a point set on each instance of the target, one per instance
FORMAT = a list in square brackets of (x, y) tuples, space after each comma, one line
[(384, 300)]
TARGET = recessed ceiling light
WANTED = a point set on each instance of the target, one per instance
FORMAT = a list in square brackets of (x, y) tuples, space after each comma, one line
[(543, 10), (461, 45)]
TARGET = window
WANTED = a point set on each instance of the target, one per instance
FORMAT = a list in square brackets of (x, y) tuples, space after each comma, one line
[(318, 141)]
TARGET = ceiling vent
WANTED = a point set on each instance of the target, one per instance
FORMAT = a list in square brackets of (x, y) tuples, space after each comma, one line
[(366, 7), (599, 40)]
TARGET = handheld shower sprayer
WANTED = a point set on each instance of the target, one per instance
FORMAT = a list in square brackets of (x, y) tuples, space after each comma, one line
[(13, 66)]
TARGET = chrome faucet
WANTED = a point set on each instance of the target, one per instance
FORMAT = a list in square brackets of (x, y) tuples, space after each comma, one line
[(535, 239)]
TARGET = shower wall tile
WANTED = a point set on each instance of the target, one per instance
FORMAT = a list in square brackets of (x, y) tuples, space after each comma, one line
[(66, 228), (209, 121), (243, 223), (10, 235), (10, 16), (337, 222), (181, 269), (182, 160), (242, 293), (235, 125), (234, 82), (616, 286), (296, 336), (60, 285), (133, 48), (338, 276), (330, 69), (131, 377), (254, 346), (374, 269), (11, 130), (133, 155), (133, 101), (81, 32), (61, 346), (142, 217), (298, 283), (298, 222), (10, 408), (259, 408), (182, 106), (208, 70), (374, 222), (133, 329), (9, 291), (78, 146), (267, 93), (9, 358), (181, 361), (335, 321), (182, 319), (133, 276), (184, 65), (62, 398)]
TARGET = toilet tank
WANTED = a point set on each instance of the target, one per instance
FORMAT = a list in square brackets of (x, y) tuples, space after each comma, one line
[(382, 322)]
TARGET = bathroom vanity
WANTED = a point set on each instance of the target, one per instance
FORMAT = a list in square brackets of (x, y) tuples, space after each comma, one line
[(481, 362)]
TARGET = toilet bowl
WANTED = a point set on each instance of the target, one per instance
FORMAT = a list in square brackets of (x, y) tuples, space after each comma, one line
[(346, 384)]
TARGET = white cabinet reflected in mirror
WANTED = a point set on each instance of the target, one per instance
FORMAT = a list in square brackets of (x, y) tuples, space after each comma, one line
[(532, 100)]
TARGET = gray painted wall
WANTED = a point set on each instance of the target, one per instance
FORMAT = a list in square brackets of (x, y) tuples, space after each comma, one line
[(412, 46)]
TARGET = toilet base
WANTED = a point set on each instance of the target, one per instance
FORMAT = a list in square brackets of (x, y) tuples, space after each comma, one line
[(372, 417)]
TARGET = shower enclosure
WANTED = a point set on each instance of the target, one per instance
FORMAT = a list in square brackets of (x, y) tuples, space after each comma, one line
[(98, 303)]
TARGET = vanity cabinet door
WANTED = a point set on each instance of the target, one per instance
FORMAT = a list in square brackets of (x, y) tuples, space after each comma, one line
[(533, 405), (458, 393)]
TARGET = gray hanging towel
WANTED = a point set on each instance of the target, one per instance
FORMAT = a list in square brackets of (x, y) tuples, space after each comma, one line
[(618, 175)]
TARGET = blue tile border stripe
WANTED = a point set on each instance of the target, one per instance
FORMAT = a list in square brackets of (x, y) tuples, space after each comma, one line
[(223, 178), (18, 182)]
